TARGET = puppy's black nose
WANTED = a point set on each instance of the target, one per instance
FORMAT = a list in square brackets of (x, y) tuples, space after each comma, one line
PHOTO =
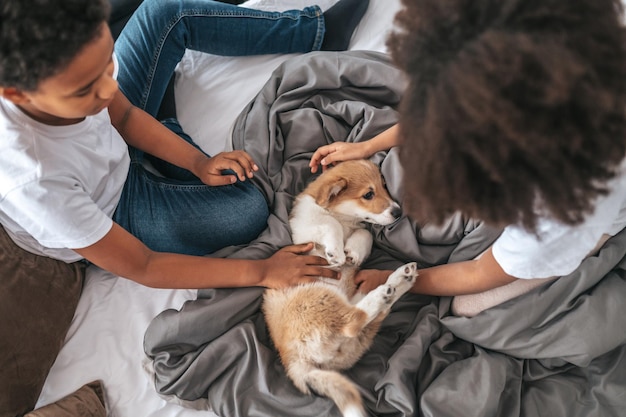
[(396, 212)]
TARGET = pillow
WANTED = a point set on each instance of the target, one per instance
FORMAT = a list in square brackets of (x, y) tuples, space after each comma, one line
[(38, 297), (88, 401)]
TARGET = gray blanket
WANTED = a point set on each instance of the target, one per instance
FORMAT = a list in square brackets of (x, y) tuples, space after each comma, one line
[(559, 350)]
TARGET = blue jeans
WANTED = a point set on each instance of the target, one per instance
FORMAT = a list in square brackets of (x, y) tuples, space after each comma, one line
[(178, 213)]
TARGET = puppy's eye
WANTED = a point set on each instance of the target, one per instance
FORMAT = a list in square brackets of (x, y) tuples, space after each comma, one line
[(368, 195)]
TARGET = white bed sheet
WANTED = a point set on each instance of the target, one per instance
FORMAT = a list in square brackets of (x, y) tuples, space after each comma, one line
[(105, 341)]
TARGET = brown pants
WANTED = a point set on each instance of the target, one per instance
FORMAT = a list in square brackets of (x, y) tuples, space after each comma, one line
[(38, 297)]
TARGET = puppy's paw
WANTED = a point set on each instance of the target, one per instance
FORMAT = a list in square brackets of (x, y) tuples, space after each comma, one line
[(335, 256), (353, 258), (403, 278), (358, 247), (387, 293), (378, 300)]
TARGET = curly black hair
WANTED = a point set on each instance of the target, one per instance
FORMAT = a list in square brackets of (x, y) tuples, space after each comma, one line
[(515, 109), (38, 38)]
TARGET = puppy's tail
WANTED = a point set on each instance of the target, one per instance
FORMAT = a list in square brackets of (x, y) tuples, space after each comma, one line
[(338, 388)]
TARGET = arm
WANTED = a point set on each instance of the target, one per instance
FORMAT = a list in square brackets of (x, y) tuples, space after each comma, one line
[(144, 132), (468, 277), (122, 254), (342, 151)]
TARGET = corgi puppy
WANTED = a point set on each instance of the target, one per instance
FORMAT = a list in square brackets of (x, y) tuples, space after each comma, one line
[(324, 327)]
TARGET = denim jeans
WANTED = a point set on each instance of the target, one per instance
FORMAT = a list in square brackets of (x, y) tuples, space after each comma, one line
[(176, 212)]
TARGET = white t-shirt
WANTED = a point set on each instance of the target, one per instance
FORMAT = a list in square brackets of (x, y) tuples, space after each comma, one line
[(59, 185), (558, 249)]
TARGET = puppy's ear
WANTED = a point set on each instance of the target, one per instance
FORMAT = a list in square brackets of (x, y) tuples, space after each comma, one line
[(330, 190)]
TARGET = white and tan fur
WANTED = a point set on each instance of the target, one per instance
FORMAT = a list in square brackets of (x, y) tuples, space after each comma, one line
[(324, 327)]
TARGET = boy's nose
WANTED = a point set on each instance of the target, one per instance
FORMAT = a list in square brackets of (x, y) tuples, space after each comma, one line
[(107, 88)]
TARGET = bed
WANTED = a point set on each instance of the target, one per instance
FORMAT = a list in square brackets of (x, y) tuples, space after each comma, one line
[(560, 351)]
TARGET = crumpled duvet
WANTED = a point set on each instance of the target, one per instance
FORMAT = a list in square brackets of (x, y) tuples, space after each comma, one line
[(559, 350)]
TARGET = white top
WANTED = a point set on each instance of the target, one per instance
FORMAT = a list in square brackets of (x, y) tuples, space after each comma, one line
[(558, 249), (59, 185)]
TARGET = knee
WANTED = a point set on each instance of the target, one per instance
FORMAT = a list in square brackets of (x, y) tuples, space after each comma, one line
[(254, 219)]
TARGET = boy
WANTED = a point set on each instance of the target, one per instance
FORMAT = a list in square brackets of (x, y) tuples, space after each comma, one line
[(515, 115), (69, 189)]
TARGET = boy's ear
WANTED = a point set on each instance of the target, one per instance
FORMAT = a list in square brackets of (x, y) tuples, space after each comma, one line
[(14, 95)]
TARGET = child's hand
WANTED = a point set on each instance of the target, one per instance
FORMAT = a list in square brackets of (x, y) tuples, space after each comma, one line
[(210, 170), (367, 280), (328, 155), (290, 266)]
